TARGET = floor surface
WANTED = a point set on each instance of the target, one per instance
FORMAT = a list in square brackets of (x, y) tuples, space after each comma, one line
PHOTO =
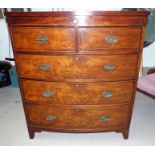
[(13, 130)]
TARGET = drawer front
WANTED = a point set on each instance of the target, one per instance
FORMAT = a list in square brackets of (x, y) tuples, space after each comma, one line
[(108, 93), (43, 38), (77, 67), (74, 117), (109, 38)]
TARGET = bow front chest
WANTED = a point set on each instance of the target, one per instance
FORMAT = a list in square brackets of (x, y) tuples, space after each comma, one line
[(77, 70)]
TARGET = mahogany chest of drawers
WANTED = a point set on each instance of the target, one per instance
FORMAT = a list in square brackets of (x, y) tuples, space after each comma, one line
[(78, 70)]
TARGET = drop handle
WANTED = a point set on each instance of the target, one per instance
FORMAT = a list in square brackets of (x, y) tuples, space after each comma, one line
[(104, 118), (47, 93), (106, 94), (109, 67), (44, 67), (42, 39), (111, 40), (50, 118)]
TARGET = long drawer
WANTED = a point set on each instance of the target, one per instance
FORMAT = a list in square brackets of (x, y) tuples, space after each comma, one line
[(85, 67), (77, 117), (43, 38), (107, 93), (109, 38)]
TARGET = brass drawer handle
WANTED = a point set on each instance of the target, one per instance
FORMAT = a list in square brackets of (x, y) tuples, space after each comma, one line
[(109, 67), (111, 40), (51, 118), (106, 94), (47, 93), (44, 67), (42, 39), (104, 118)]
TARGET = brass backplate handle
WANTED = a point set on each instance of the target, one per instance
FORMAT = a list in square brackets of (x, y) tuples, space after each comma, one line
[(50, 117), (45, 67), (42, 39), (109, 67), (47, 93), (106, 94), (111, 40), (104, 118)]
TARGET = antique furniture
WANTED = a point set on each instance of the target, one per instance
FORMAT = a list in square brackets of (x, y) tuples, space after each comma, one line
[(78, 70)]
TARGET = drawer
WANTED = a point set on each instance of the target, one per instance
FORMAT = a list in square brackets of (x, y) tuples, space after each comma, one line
[(84, 67), (77, 117), (43, 38), (109, 38), (108, 93)]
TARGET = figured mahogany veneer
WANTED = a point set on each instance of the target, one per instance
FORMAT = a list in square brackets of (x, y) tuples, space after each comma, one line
[(94, 38), (56, 38), (78, 70), (77, 93), (64, 38), (75, 67), (77, 117)]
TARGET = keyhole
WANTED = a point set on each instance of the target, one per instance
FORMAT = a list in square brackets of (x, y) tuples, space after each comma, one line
[(76, 58), (111, 32), (77, 86)]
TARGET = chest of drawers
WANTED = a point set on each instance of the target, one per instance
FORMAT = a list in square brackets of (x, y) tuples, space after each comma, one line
[(77, 71)]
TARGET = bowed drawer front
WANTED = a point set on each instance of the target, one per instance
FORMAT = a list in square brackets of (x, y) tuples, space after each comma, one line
[(76, 117), (77, 71), (77, 67), (108, 93)]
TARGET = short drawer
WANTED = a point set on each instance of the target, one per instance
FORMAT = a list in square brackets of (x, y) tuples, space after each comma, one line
[(109, 38), (92, 67), (77, 117), (43, 38), (107, 93)]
